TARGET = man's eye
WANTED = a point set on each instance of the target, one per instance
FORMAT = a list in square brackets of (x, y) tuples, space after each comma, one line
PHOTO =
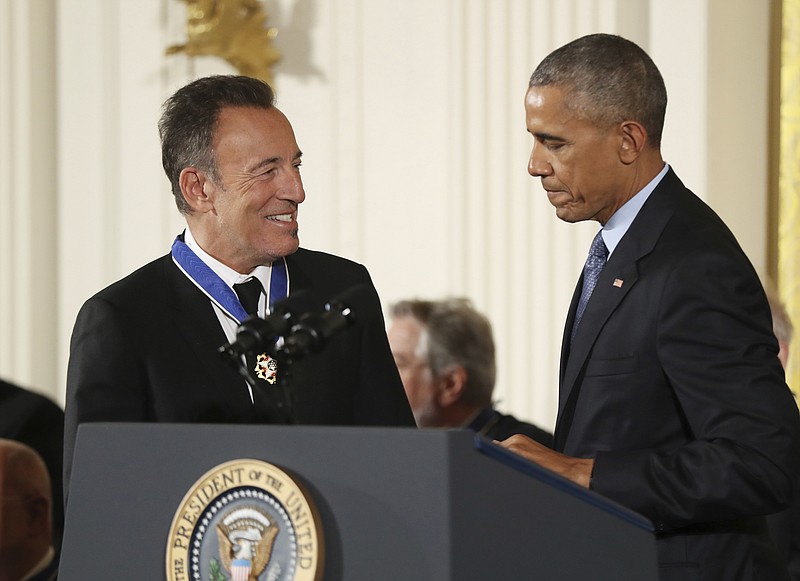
[(554, 145)]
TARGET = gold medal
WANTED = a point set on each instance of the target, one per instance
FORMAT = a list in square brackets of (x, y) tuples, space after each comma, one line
[(266, 368)]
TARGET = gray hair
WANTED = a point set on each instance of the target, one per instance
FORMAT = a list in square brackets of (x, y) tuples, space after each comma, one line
[(457, 335), (609, 80)]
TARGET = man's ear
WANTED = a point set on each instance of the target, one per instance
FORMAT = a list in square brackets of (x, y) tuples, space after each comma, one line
[(453, 383), (633, 141), (194, 183)]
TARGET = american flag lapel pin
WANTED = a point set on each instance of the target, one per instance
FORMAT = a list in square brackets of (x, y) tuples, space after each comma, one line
[(618, 282)]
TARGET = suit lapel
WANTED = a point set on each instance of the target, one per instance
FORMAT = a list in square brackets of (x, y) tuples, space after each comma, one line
[(565, 339), (306, 276), (194, 318), (618, 278), (603, 302), (298, 278)]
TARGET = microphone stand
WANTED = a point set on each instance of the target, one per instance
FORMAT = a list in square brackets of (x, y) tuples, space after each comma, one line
[(290, 342), (279, 397)]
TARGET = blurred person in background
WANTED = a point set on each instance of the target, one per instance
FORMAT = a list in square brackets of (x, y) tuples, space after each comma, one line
[(26, 526), (445, 353), (35, 420)]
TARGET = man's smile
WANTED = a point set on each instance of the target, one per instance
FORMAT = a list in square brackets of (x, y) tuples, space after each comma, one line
[(281, 218)]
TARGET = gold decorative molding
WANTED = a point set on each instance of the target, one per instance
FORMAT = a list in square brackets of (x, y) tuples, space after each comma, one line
[(789, 182), (234, 30)]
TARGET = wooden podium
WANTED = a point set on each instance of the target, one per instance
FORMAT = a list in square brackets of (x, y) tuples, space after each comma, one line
[(395, 503)]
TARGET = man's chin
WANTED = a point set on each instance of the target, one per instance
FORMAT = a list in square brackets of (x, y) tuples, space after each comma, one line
[(286, 249), (568, 216)]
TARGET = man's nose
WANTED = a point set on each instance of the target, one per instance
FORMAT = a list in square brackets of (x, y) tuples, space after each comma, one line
[(293, 189), (538, 166)]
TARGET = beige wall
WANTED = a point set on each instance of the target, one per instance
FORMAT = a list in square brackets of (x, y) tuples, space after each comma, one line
[(411, 122)]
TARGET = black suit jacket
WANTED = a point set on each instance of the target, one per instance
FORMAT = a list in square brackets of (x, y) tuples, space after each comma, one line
[(145, 350), (785, 530), (37, 421), (673, 385)]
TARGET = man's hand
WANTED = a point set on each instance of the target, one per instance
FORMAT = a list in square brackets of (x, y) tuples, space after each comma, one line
[(579, 470)]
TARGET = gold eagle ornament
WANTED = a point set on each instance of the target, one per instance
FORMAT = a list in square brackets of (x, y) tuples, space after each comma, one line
[(233, 30)]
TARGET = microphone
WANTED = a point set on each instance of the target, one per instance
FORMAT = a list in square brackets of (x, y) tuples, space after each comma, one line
[(312, 331), (255, 335)]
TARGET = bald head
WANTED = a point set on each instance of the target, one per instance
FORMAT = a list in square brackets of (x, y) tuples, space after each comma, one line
[(25, 509), (22, 470)]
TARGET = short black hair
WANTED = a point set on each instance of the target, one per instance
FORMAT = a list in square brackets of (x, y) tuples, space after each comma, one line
[(189, 119), (609, 80)]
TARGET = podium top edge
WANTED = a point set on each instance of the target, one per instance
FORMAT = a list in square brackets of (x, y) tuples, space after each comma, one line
[(540, 473)]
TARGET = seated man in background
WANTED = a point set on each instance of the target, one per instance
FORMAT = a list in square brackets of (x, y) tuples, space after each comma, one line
[(444, 351), (35, 420), (26, 550)]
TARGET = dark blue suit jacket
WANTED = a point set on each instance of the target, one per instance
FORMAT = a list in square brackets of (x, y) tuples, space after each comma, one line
[(673, 385)]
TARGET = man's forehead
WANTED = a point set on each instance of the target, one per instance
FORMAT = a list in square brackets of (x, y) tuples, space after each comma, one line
[(264, 134)]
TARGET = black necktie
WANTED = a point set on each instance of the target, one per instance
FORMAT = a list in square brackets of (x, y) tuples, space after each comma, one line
[(249, 292), (266, 398), (598, 254)]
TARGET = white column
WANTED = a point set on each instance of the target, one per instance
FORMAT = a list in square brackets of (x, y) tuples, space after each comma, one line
[(28, 203)]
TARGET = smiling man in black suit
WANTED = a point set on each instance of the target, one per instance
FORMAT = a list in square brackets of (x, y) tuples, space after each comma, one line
[(145, 348)]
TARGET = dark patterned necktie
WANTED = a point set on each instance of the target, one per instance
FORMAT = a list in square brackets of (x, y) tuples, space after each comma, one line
[(598, 254)]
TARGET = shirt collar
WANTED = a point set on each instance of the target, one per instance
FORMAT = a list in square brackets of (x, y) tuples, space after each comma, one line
[(622, 219), (226, 273)]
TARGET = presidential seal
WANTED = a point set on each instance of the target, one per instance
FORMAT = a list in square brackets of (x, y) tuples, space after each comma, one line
[(245, 520)]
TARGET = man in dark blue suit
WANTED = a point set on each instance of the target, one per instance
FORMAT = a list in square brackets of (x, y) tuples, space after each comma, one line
[(145, 348), (672, 398)]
